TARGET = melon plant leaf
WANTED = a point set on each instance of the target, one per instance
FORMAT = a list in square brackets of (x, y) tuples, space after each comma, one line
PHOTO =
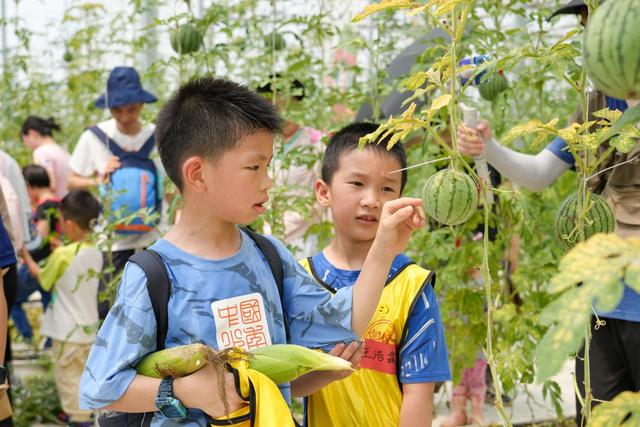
[(543, 130), (615, 413), (383, 5), (632, 276), (609, 295), (599, 260), (440, 102), (630, 116), (627, 139), (565, 337)]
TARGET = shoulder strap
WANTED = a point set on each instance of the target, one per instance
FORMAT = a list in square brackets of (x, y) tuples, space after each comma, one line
[(159, 289), (106, 140), (145, 150), (159, 286), (271, 255)]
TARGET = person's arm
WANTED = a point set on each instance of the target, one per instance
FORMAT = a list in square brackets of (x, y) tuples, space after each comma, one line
[(4, 317), (532, 171), (398, 220), (198, 390), (126, 336), (14, 211), (79, 182), (314, 381), (32, 266), (417, 405), (423, 359), (44, 228)]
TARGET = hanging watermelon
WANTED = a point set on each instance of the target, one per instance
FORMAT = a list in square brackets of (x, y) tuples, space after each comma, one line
[(450, 197), (275, 41), (491, 85), (186, 39)]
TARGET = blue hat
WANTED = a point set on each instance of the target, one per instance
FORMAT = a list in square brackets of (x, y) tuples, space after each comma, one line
[(123, 88)]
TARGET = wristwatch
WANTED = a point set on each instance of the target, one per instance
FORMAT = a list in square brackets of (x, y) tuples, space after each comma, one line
[(3, 374), (168, 405)]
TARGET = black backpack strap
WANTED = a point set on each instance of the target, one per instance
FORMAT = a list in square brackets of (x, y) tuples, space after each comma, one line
[(159, 288), (271, 255)]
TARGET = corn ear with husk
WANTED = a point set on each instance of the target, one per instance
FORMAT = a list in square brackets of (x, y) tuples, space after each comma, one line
[(280, 362), (177, 361), (283, 363)]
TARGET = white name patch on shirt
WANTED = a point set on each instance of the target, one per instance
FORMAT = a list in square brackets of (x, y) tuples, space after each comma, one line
[(241, 322)]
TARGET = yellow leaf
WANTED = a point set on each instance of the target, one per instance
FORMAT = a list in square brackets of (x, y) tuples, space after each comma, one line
[(440, 102), (384, 5), (624, 409)]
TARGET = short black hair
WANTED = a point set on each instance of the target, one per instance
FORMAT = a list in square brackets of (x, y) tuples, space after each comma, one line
[(80, 207), (206, 117), (347, 139), (44, 127), (36, 176)]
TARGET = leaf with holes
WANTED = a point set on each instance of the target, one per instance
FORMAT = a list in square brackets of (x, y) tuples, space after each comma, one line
[(615, 413)]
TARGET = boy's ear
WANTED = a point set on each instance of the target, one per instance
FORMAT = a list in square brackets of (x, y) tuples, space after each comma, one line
[(193, 173), (323, 193)]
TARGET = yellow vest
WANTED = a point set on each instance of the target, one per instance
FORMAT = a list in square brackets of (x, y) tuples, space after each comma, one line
[(372, 395)]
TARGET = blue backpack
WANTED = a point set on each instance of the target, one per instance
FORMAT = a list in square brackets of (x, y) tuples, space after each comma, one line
[(135, 184)]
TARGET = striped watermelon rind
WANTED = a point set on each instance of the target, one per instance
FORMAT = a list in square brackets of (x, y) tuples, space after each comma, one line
[(186, 39), (598, 219), (275, 41), (611, 48), (492, 85), (450, 197)]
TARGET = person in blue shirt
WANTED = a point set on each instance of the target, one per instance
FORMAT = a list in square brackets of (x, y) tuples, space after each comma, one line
[(615, 366), (7, 259), (215, 139), (405, 351)]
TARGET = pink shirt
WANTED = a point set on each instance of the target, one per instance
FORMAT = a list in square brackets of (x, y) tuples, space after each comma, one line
[(54, 159)]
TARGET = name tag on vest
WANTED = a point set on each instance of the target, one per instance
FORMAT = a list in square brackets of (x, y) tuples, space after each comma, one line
[(241, 322)]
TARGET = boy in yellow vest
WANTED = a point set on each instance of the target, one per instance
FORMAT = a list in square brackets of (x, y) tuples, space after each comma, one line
[(404, 351)]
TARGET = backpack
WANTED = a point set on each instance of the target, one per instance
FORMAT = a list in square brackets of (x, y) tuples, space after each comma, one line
[(159, 288), (136, 184)]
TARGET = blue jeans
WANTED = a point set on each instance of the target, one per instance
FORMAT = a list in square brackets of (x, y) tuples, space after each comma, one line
[(27, 284)]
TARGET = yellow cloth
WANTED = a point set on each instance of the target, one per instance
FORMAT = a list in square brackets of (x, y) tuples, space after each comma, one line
[(372, 395), (266, 407)]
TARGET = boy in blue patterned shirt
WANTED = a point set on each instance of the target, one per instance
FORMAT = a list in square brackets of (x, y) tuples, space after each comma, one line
[(215, 140)]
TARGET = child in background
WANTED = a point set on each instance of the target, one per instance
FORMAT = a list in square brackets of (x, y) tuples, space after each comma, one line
[(215, 139), (45, 205), (405, 352), (71, 320), (125, 145)]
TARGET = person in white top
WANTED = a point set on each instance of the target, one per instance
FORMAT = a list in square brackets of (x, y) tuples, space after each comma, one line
[(27, 234), (93, 161), (37, 134)]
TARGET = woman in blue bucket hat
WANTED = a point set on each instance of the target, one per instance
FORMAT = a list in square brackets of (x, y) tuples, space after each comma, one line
[(117, 151)]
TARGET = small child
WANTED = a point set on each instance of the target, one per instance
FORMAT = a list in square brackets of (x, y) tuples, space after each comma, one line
[(71, 319), (45, 209), (215, 139), (405, 352)]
